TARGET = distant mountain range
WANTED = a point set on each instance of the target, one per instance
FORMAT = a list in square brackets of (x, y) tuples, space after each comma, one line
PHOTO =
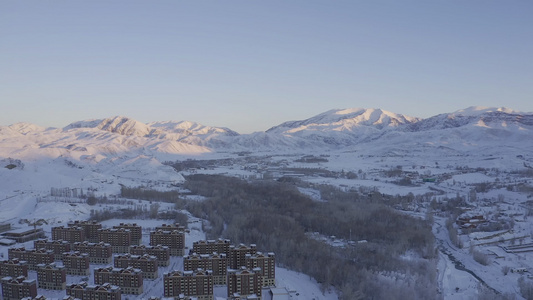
[(332, 130)]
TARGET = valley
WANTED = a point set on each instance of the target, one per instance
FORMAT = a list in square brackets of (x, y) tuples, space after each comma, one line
[(466, 178)]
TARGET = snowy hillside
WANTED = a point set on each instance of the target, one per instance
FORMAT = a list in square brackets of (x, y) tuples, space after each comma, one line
[(103, 148)]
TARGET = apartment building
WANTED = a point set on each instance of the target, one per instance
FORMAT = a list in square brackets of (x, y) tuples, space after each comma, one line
[(217, 263), (118, 238), (57, 246), (244, 283), (173, 239), (90, 228), (267, 264), (175, 226), (83, 291), (136, 232), (51, 277), (77, 263), (129, 280), (99, 253), (211, 246), (162, 253), (16, 288), (32, 257), (70, 234), (146, 263), (197, 284), (13, 268), (237, 255)]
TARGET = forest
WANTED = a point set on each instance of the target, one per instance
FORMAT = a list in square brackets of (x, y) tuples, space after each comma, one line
[(397, 257)]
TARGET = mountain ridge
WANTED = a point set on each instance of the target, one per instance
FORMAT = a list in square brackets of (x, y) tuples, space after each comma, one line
[(329, 130)]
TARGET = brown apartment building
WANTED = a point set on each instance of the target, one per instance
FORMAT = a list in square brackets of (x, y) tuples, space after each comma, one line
[(76, 263), (162, 253), (146, 263), (197, 284), (118, 238), (57, 246), (217, 263), (13, 268), (211, 246), (32, 257), (267, 264), (83, 291), (129, 280), (70, 234), (244, 282), (237, 255), (173, 239), (16, 288), (136, 232), (99, 253), (51, 277), (90, 228)]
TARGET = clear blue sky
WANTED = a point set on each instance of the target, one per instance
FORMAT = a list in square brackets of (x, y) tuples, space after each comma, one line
[(249, 65)]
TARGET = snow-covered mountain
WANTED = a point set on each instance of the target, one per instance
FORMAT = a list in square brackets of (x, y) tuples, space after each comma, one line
[(92, 141), (343, 127), (476, 116), (329, 130), (346, 120)]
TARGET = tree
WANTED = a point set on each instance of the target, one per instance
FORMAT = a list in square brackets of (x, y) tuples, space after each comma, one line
[(35, 223), (505, 270), (154, 209), (92, 200)]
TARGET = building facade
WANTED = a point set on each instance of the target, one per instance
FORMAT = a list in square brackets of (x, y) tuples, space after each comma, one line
[(32, 257), (173, 239), (118, 238), (162, 253), (217, 263), (267, 264), (243, 283), (89, 227), (83, 291), (16, 288), (99, 253), (197, 284), (129, 280), (72, 234), (13, 268), (51, 277), (211, 246), (76, 263), (146, 263), (57, 246), (136, 232), (237, 255)]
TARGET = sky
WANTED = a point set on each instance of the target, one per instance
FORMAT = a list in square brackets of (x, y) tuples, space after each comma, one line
[(250, 65)]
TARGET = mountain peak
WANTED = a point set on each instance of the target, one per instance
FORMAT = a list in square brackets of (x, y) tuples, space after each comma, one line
[(479, 110), (24, 128), (347, 119), (117, 124), (124, 125)]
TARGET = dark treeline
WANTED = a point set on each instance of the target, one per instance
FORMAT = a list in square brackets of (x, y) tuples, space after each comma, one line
[(276, 217), (139, 212), (149, 194)]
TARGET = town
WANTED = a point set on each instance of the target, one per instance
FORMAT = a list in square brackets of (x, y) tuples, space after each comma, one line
[(120, 263)]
